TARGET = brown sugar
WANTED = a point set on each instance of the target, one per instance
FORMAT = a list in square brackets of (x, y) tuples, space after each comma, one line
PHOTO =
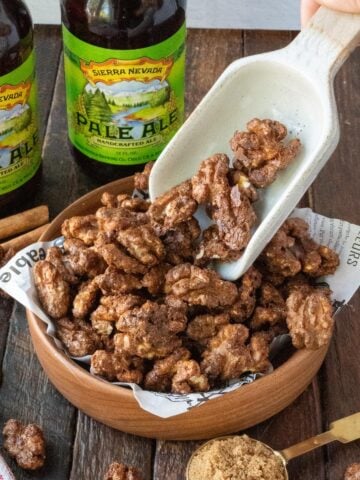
[(236, 458)]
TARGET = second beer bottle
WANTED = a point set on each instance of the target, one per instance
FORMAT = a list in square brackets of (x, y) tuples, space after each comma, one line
[(124, 72)]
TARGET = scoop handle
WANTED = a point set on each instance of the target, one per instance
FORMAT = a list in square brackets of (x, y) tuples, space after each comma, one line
[(322, 47), (345, 430)]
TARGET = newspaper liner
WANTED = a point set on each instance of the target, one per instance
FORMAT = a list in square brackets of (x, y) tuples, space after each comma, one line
[(16, 279)]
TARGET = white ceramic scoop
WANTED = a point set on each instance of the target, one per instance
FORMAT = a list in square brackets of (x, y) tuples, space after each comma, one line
[(293, 85)]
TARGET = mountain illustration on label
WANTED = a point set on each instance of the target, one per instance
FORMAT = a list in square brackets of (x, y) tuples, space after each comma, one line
[(127, 100)]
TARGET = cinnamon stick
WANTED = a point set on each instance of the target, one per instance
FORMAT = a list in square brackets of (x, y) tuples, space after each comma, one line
[(24, 240), (23, 222)]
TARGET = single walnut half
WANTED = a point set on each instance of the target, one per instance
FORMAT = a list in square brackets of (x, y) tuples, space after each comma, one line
[(78, 337), (124, 201), (174, 207), (83, 228), (150, 331), (117, 367), (116, 257), (119, 471), (86, 299), (113, 220), (180, 241), (352, 472), (143, 244), (245, 302), (55, 256), (188, 378), (204, 327), (159, 379), (212, 247), (271, 309), (141, 179), (25, 443), (197, 286), (228, 356), (83, 261), (154, 279), (211, 177), (52, 289), (261, 153), (113, 282), (309, 318)]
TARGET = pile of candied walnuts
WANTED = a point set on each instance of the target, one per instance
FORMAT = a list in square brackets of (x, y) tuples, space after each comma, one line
[(132, 287)]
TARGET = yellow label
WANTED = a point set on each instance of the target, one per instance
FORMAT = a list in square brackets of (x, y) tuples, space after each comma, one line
[(12, 95), (114, 71)]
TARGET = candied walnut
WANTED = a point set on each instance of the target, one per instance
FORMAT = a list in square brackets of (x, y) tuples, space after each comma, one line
[(279, 257), (154, 279), (128, 202), (228, 357), (111, 307), (115, 366), (25, 443), (174, 207), (141, 179), (53, 291), (188, 378), (309, 318), (116, 257), (197, 286), (83, 228), (114, 220), (86, 298), (324, 261), (352, 472), (119, 471), (179, 242), (271, 309), (234, 215), (212, 247), (245, 302), (205, 327), (113, 282), (211, 176), (143, 244), (81, 260), (150, 331), (159, 379), (261, 152), (55, 256), (77, 336)]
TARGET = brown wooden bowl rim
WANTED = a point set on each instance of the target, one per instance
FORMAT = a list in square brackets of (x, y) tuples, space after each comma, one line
[(39, 328)]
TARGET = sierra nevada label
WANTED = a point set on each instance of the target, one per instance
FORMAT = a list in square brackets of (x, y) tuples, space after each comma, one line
[(20, 153), (124, 106)]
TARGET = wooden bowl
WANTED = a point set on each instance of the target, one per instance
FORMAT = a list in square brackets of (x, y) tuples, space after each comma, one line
[(116, 406)]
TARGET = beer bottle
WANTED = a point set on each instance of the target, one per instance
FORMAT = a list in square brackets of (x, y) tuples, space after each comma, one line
[(124, 72), (20, 150)]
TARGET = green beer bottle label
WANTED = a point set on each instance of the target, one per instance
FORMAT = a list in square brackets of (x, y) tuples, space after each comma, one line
[(20, 151), (124, 105)]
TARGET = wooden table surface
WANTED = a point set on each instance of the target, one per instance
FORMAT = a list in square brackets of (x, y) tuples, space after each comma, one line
[(80, 448)]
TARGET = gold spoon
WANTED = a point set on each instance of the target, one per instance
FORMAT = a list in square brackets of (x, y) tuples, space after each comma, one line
[(344, 430)]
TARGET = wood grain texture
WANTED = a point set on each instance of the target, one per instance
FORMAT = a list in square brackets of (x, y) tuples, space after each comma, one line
[(336, 193), (6, 307), (26, 394), (97, 446)]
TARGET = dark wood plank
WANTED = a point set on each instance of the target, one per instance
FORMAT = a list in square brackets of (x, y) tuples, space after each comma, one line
[(25, 392), (6, 307), (27, 395), (336, 193), (97, 446), (209, 52)]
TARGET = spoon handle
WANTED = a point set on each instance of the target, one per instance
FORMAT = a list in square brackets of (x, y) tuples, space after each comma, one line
[(324, 45), (344, 430)]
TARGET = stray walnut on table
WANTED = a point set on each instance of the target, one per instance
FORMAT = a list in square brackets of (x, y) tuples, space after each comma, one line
[(352, 472), (119, 471), (25, 443)]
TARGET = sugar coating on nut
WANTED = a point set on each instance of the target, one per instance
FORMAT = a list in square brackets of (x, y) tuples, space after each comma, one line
[(78, 337), (53, 290), (309, 319), (352, 472), (25, 443), (261, 152), (119, 471), (141, 179)]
